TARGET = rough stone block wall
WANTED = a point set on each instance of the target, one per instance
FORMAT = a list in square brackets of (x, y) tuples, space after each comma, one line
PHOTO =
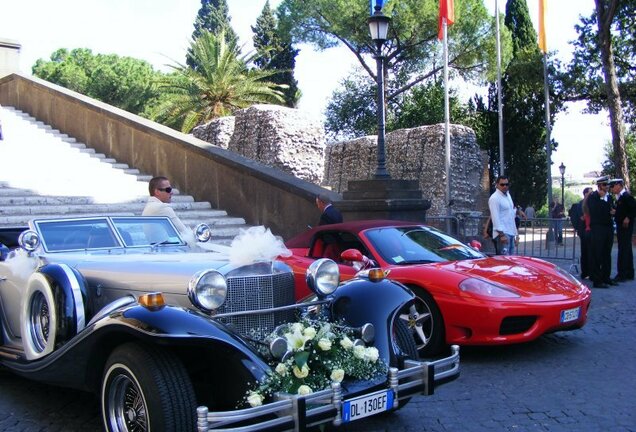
[(281, 137), (415, 154), (218, 132)]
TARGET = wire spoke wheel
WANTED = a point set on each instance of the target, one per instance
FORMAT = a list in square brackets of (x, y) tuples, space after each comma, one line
[(39, 321), (127, 407)]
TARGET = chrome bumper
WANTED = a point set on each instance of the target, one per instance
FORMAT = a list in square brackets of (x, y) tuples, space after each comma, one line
[(295, 413)]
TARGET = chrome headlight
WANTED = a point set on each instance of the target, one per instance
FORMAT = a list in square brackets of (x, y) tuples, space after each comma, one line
[(29, 240), (207, 290), (323, 277), (486, 288), (202, 232)]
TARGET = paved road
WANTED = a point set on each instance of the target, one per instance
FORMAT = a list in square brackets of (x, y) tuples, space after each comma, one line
[(583, 380)]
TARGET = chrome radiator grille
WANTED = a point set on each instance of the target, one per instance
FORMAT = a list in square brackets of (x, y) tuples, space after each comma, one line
[(259, 292)]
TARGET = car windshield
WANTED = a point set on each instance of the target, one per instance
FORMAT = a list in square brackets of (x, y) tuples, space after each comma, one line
[(417, 245), (62, 235)]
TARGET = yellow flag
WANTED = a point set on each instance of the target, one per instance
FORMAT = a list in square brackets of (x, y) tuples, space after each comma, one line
[(543, 45)]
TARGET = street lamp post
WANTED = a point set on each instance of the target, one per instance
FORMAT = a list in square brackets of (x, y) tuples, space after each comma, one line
[(562, 171), (379, 27)]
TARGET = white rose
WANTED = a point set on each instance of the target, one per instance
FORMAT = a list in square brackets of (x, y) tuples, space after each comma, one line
[(346, 343), (309, 333), (302, 372), (255, 399), (324, 344), (281, 369), (359, 351), (297, 327), (337, 375), (371, 354), (304, 390)]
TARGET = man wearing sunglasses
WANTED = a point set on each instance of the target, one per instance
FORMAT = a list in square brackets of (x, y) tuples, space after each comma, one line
[(502, 213), (600, 205), (159, 204)]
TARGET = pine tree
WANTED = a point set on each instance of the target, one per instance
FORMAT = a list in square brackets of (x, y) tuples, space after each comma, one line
[(524, 110), (214, 17), (274, 52)]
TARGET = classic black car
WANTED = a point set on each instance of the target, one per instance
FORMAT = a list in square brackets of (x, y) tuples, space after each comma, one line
[(173, 338)]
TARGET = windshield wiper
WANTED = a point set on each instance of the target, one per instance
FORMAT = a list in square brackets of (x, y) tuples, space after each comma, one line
[(165, 242)]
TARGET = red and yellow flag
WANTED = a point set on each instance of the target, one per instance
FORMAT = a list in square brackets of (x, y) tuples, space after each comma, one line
[(543, 44), (446, 10)]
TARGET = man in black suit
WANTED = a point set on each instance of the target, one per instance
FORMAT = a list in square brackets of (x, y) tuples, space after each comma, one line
[(624, 218), (578, 223), (330, 214), (600, 206)]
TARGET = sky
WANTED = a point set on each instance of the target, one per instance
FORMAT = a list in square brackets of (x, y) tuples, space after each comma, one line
[(159, 31)]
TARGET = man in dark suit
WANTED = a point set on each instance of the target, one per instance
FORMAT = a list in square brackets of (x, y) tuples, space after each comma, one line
[(624, 218), (578, 223), (330, 214), (600, 206)]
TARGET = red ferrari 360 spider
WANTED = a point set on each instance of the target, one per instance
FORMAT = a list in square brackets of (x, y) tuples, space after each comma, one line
[(466, 297)]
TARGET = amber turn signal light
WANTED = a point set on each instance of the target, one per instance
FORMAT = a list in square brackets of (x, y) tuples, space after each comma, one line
[(376, 275), (152, 300)]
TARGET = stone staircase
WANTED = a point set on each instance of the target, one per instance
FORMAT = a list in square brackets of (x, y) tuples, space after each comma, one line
[(45, 173)]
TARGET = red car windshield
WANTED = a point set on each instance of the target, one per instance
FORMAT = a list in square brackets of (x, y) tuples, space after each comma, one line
[(417, 245)]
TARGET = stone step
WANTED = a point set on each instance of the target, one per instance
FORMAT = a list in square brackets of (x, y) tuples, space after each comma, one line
[(21, 202), (23, 197), (199, 208)]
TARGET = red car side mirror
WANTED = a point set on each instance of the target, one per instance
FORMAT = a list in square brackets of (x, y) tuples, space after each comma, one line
[(475, 244), (351, 255)]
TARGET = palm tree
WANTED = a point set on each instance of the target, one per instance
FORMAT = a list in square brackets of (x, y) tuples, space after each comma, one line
[(221, 84)]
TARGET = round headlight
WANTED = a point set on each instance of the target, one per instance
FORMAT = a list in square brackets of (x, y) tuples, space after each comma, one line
[(207, 290), (29, 240), (323, 277), (202, 232)]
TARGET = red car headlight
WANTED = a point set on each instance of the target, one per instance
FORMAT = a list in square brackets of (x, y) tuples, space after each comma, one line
[(486, 289)]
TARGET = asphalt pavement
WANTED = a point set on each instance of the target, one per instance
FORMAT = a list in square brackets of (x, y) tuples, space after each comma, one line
[(582, 380)]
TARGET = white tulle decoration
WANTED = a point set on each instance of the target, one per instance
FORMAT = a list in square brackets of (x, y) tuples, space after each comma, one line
[(21, 264), (256, 244)]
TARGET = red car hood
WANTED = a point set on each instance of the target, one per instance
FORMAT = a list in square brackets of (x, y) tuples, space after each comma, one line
[(527, 276)]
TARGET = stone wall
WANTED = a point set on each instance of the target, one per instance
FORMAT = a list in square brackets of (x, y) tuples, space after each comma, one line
[(281, 137), (218, 132), (415, 154)]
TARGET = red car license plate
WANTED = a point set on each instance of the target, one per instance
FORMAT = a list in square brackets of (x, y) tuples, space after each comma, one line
[(568, 315)]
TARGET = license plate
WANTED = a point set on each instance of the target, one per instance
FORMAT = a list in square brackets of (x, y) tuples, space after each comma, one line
[(570, 314), (364, 406)]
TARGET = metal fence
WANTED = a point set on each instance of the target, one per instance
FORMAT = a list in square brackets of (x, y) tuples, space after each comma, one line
[(545, 238)]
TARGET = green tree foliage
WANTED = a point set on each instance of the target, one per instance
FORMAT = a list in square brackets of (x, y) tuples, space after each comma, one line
[(413, 52), (221, 84), (602, 71), (351, 111), (124, 82), (213, 17), (424, 105), (524, 110), (630, 150), (274, 52), (584, 77)]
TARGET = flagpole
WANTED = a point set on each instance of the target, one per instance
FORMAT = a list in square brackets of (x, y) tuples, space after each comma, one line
[(543, 46), (548, 127), (499, 102), (447, 164)]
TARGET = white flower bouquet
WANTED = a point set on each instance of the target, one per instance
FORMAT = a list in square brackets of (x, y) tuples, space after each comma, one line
[(318, 353)]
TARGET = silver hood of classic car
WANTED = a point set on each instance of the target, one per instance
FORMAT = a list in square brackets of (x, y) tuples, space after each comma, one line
[(113, 274)]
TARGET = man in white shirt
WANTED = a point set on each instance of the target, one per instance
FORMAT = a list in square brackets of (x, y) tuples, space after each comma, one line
[(158, 204), (502, 212)]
